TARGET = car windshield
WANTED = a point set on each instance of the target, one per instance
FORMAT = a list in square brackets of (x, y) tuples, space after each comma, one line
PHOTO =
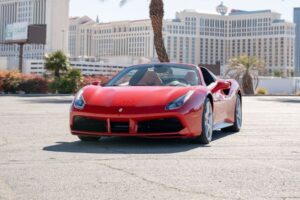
[(157, 75)]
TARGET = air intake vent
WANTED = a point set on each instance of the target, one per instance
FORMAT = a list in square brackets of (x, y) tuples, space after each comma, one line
[(89, 125), (119, 127), (163, 125)]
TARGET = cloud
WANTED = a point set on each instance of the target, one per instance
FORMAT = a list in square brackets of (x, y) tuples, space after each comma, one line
[(122, 2)]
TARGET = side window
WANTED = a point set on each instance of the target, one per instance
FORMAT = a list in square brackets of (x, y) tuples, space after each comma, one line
[(125, 80), (208, 77), (189, 76)]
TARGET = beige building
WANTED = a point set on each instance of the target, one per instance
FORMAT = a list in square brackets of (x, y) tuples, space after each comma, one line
[(53, 13), (87, 67), (192, 37), (80, 36)]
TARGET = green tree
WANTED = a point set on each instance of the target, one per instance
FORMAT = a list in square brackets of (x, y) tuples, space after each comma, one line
[(57, 62), (246, 67), (278, 73), (156, 11), (68, 83)]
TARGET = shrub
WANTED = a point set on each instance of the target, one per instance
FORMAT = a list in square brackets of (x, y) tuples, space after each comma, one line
[(54, 85), (10, 81), (71, 82), (32, 84), (262, 91), (13, 82), (67, 84), (277, 73), (63, 86), (2, 76), (88, 80)]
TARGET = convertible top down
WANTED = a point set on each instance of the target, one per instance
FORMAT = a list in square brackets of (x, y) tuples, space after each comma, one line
[(158, 100)]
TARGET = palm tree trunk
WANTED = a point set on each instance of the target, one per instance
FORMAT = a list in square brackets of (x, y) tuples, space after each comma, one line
[(157, 15), (56, 73), (248, 84)]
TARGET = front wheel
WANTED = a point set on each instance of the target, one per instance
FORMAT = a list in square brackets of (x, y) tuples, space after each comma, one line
[(88, 138), (236, 127), (207, 124)]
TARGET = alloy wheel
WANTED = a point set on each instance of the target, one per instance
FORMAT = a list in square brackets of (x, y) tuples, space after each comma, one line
[(208, 122), (238, 113)]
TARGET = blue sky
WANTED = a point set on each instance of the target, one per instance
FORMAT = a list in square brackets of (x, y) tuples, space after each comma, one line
[(138, 9)]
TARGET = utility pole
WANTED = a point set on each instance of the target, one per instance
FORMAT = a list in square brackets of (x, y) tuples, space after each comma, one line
[(21, 48)]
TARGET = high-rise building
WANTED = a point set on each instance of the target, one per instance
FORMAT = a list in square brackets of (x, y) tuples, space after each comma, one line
[(53, 13), (193, 37), (297, 45)]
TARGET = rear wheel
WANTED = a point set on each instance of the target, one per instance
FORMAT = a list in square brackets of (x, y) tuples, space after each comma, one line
[(207, 124), (238, 117), (88, 138)]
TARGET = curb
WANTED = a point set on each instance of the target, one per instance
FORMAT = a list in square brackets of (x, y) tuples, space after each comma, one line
[(270, 95), (36, 95)]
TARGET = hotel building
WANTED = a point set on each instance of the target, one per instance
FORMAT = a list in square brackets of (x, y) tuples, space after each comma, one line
[(192, 37)]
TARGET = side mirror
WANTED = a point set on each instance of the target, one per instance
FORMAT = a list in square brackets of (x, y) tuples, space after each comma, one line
[(221, 85), (96, 83)]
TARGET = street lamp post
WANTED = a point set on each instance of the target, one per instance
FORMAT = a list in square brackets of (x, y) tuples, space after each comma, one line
[(63, 40)]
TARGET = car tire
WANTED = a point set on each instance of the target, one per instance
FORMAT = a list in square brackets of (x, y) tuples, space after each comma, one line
[(88, 138), (236, 127), (207, 124)]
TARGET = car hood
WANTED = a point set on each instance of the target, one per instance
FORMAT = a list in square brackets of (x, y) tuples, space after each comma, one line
[(133, 96)]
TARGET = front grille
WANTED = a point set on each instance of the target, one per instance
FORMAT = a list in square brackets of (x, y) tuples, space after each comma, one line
[(163, 125), (119, 127), (89, 124)]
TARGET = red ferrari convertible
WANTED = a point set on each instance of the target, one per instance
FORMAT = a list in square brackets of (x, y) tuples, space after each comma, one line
[(158, 101)]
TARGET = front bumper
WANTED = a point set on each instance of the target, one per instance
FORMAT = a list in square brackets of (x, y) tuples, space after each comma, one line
[(159, 125)]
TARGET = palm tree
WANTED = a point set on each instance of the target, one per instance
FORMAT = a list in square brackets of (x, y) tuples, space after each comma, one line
[(156, 11), (57, 62), (246, 67)]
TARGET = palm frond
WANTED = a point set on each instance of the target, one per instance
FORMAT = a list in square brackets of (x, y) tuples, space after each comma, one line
[(123, 2), (234, 68), (250, 63)]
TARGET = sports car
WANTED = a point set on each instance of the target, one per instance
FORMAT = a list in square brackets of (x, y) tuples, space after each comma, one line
[(159, 101)]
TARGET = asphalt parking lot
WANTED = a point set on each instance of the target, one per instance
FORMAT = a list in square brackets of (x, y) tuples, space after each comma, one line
[(39, 159)]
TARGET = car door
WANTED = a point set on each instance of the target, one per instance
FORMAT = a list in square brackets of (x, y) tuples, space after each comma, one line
[(220, 104), (229, 96), (218, 97)]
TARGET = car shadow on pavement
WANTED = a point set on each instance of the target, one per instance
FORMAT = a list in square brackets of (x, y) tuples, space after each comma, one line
[(130, 145), (48, 100), (283, 100)]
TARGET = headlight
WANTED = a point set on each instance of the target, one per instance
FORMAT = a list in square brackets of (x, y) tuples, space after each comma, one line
[(180, 101), (79, 102)]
